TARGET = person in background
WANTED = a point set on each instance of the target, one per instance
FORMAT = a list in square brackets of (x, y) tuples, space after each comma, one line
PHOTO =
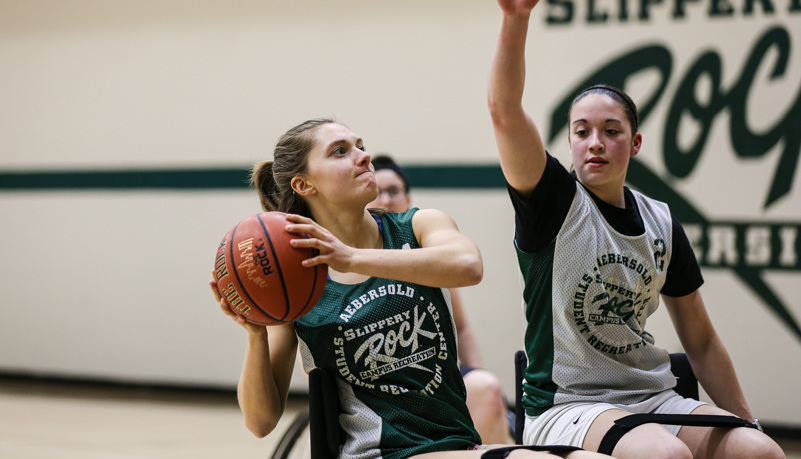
[(485, 398)]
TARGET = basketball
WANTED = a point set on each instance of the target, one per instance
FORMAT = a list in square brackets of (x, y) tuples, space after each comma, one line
[(261, 275)]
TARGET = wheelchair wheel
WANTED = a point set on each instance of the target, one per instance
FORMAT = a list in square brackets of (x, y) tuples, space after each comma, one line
[(295, 442)]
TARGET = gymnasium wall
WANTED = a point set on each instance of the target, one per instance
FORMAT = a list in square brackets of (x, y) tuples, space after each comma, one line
[(126, 127)]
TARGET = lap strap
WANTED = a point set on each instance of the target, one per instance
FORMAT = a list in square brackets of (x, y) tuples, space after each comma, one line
[(500, 453), (626, 423)]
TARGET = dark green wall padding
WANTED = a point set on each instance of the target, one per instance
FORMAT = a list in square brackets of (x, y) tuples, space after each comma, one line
[(428, 176)]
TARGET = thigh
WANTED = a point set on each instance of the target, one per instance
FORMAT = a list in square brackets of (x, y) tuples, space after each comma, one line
[(516, 454), (643, 441), (677, 404), (565, 424), (740, 442)]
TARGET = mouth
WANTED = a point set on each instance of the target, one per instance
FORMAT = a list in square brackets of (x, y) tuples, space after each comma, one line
[(596, 161), (365, 172)]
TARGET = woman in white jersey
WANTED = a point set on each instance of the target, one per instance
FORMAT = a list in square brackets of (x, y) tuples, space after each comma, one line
[(596, 257), (384, 325)]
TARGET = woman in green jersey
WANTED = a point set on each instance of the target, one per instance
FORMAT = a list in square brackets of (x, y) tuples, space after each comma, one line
[(485, 398), (384, 325)]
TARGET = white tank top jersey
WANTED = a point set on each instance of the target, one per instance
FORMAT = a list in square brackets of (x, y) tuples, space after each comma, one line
[(588, 295)]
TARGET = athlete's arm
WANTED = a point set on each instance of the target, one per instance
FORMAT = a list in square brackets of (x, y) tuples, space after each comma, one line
[(522, 153), (469, 352), (708, 357), (266, 372), (446, 258)]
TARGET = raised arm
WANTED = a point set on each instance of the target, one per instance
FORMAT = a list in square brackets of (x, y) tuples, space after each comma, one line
[(522, 153)]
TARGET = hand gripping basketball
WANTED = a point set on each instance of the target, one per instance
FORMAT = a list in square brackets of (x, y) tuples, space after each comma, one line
[(261, 274)]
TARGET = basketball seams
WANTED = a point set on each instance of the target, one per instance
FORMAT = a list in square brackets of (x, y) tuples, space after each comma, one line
[(312, 291), (287, 301), (259, 262), (239, 280)]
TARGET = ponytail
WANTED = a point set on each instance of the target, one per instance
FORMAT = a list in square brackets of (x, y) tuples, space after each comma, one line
[(272, 180), (261, 179)]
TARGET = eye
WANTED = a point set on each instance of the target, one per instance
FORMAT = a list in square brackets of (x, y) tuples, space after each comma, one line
[(338, 151), (581, 132), (392, 192), (612, 131)]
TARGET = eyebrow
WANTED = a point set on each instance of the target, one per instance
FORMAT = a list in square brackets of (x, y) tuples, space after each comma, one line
[(608, 120), (337, 142)]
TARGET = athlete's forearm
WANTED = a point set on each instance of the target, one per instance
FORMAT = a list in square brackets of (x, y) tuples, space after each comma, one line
[(715, 371), (457, 264)]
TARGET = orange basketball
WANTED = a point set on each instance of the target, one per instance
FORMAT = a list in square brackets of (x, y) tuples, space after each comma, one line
[(261, 275)]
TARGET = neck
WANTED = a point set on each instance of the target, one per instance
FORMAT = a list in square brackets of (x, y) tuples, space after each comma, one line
[(613, 196), (357, 229)]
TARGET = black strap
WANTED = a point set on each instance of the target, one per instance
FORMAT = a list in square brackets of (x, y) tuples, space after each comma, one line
[(626, 423), (324, 429), (500, 453), (521, 360)]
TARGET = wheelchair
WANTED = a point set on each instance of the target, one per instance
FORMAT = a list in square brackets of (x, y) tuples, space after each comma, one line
[(325, 436), (686, 386), (319, 423)]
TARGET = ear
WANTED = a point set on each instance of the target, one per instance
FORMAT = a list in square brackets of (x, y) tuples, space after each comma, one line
[(301, 186), (636, 143)]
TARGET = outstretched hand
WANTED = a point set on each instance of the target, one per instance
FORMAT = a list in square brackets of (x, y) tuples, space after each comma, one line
[(331, 251), (226, 309), (517, 6)]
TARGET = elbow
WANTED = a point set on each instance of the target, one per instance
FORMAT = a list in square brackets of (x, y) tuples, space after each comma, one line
[(495, 111), (260, 424), (260, 429), (472, 271), (502, 113), (475, 276)]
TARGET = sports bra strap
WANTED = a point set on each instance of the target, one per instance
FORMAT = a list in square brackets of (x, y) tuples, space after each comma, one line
[(380, 225)]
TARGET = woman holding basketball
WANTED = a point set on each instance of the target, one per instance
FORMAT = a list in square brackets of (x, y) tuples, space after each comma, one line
[(595, 257), (383, 326)]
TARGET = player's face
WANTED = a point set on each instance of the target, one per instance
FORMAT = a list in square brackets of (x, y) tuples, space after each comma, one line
[(601, 142), (339, 168), (392, 194)]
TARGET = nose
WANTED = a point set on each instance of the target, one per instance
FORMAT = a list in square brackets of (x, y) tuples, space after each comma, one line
[(362, 158), (595, 141), (383, 200)]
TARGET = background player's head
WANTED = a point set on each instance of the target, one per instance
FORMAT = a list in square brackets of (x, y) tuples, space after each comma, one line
[(393, 185), (602, 134), (626, 103)]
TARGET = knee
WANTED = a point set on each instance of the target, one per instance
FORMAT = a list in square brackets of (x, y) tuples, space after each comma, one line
[(759, 446), (485, 388), (653, 445), (772, 451), (672, 449)]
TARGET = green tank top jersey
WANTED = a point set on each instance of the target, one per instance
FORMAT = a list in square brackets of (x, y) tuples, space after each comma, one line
[(392, 347)]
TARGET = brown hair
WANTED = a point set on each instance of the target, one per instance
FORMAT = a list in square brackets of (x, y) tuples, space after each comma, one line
[(272, 180), (623, 99)]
